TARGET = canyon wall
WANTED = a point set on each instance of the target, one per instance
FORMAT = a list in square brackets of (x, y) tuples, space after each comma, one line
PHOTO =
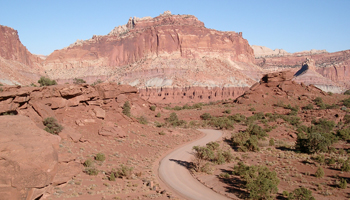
[(333, 66), (17, 64)]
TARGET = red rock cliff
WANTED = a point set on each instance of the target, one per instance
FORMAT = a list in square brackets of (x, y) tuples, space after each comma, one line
[(17, 64)]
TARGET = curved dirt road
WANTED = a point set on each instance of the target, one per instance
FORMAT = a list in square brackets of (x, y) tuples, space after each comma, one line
[(173, 171)]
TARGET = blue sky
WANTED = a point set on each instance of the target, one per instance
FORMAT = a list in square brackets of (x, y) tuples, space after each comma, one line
[(293, 25)]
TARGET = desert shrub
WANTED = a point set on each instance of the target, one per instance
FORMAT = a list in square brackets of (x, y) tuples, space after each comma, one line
[(124, 171), (228, 156), (285, 193), (33, 85), (343, 184), (346, 119), (252, 109), (271, 142), (142, 120), (220, 158), (158, 115), (52, 126), (174, 120), (346, 102), (162, 133), (331, 161), (237, 117), (301, 194), (253, 118), (292, 120), (252, 143), (205, 116), (158, 124), (224, 175), (206, 168), (322, 125), (91, 171), (78, 81), (100, 157), (201, 155), (1, 84), (126, 109), (320, 159), (255, 129), (318, 101), (153, 107), (227, 111), (112, 177), (98, 81), (347, 92), (43, 81), (221, 122), (177, 108), (213, 145), (344, 134), (308, 107), (261, 183), (240, 138), (88, 163), (314, 142), (345, 167), (319, 172)]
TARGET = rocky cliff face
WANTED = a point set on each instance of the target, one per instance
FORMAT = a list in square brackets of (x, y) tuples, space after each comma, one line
[(168, 50), (333, 67), (17, 64)]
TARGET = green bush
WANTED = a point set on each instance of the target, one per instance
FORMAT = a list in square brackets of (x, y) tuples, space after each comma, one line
[(347, 92), (142, 120), (100, 157), (319, 173), (43, 81), (346, 119), (346, 102), (301, 194), (205, 116), (271, 142), (158, 115), (124, 171), (78, 81), (227, 111), (255, 129), (153, 107), (237, 118), (213, 145), (228, 156), (343, 184), (261, 183), (314, 142), (174, 120), (308, 107), (52, 126), (88, 163), (344, 134), (126, 109), (221, 122), (98, 81), (220, 158), (91, 171), (112, 176), (345, 167)]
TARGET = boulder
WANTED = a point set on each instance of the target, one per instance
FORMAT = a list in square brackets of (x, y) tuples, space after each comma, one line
[(99, 112), (28, 158)]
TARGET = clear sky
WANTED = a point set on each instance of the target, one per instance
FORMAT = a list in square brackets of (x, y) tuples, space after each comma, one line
[(293, 25)]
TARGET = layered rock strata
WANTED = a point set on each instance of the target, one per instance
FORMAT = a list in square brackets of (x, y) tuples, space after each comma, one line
[(164, 51), (17, 64)]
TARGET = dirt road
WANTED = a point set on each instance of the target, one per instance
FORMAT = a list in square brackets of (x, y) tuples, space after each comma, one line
[(173, 171)]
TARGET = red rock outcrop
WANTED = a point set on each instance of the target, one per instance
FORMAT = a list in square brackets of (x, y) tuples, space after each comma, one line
[(168, 50), (31, 164), (17, 64), (333, 66), (280, 86), (28, 158)]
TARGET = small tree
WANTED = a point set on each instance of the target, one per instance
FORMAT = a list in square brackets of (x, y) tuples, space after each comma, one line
[(43, 81), (301, 194), (126, 109), (343, 184)]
